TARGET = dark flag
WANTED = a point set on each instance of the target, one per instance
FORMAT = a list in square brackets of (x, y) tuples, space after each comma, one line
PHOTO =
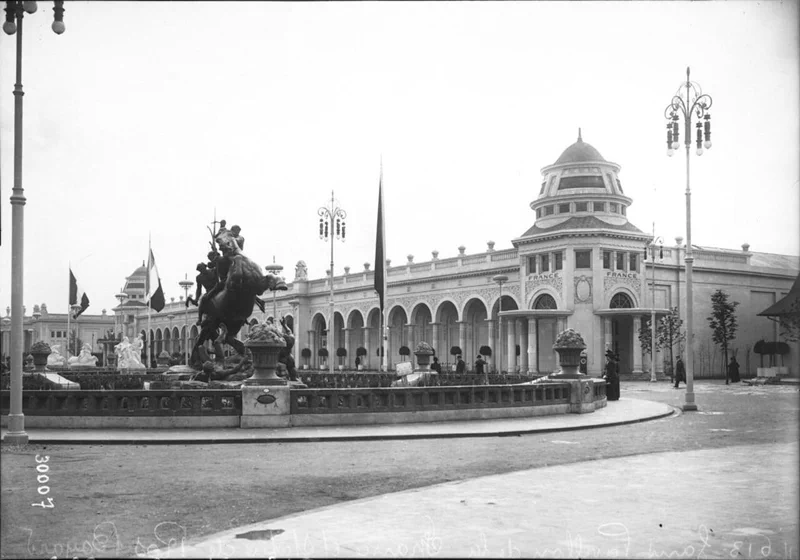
[(380, 249), (76, 296), (155, 295)]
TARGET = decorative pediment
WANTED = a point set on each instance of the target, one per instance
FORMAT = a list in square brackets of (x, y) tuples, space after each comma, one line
[(614, 279)]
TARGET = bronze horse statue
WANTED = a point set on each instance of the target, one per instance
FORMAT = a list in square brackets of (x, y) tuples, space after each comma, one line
[(228, 305)]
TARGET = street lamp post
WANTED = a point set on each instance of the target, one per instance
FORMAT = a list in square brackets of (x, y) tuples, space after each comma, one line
[(274, 269), (689, 100), (331, 223), (500, 279), (186, 284), (652, 245), (15, 11), (121, 297)]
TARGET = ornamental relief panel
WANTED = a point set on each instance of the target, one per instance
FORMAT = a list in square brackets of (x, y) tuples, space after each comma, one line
[(583, 289), (553, 280), (630, 280)]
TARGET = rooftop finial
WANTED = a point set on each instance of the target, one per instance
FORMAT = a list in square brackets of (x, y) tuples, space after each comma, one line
[(579, 135)]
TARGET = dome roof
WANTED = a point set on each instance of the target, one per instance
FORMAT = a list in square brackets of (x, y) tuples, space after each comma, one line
[(579, 152)]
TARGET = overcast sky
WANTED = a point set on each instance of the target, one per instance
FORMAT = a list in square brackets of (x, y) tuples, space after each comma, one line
[(142, 119)]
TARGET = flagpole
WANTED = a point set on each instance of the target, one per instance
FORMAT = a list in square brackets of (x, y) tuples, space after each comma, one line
[(69, 308), (385, 330), (147, 288)]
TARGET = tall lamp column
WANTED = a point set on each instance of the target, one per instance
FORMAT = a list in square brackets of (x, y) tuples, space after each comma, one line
[(331, 223), (500, 279), (186, 284), (652, 246), (688, 101), (15, 11), (276, 270)]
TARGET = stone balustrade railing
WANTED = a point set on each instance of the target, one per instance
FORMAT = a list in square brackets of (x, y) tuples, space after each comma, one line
[(418, 399)]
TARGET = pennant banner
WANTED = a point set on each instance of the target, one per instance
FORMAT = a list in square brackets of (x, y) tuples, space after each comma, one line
[(155, 294), (76, 296)]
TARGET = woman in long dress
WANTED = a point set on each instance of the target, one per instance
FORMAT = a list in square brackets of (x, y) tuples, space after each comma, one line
[(612, 377)]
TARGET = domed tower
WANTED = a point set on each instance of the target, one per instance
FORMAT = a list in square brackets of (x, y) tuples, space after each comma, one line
[(581, 183), (581, 261), (135, 284)]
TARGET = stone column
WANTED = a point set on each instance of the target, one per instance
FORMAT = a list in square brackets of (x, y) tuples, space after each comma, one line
[(410, 342), (312, 345), (533, 343), (512, 342), (435, 341), (637, 348), (388, 350), (561, 324), (347, 335), (368, 357), (462, 338), (523, 346), (492, 360), (608, 337)]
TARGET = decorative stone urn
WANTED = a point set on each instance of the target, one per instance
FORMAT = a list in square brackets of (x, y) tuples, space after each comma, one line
[(265, 343), (423, 352), (569, 345), (163, 358), (40, 351)]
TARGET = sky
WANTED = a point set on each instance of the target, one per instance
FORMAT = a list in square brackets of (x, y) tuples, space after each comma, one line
[(144, 121)]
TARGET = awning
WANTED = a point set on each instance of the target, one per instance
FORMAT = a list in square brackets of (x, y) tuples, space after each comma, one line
[(784, 306)]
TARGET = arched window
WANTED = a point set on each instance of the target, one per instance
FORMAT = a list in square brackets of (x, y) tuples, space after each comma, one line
[(621, 301), (545, 301)]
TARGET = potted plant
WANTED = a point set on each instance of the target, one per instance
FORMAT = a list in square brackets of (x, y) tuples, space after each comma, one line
[(423, 352), (569, 345), (341, 353), (306, 354), (323, 354), (361, 352), (40, 351), (485, 351), (405, 351), (265, 342)]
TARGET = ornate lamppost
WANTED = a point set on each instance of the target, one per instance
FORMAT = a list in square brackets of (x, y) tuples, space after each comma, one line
[(688, 101), (500, 279), (652, 246), (331, 223), (121, 297), (186, 284), (274, 269), (15, 11)]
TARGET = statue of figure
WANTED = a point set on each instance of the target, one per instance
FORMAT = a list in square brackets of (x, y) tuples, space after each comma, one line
[(301, 271), (85, 358), (285, 357), (122, 350), (228, 305), (205, 279), (237, 237), (55, 358), (135, 350)]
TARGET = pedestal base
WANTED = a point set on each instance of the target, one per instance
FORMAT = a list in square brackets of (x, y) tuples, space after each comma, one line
[(265, 382)]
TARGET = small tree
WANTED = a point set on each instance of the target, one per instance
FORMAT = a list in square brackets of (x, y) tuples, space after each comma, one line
[(646, 336), (485, 351), (723, 323), (361, 351), (669, 333), (455, 351), (341, 353), (404, 351), (323, 353)]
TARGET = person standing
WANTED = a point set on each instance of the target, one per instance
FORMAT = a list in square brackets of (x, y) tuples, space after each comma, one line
[(733, 371), (461, 366), (612, 377), (479, 365), (680, 372), (436, 366)]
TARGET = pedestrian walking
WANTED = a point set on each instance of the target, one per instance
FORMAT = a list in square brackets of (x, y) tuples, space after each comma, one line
[(436, 366), (461, 365), (611, 376), (680, 372), (733, 371)]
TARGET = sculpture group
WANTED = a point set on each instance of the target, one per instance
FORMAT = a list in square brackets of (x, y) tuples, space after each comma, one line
[(129, 353), (233, 284)]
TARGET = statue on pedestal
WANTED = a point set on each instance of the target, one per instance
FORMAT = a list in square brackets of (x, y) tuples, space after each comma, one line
[(55, 358), (84, 359)]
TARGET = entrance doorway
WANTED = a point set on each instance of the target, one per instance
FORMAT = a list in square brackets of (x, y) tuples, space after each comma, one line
[(622, 340)]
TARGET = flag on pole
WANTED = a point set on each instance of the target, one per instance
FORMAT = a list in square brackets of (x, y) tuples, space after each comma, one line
[(155, 294), (76, 296), (380, 249)]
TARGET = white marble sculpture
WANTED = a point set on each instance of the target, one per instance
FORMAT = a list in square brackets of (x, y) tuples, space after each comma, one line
[(55, 358), (85, 359), (128, 354)]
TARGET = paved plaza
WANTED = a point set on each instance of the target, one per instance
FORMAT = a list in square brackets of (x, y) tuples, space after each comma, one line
[(718, 483)]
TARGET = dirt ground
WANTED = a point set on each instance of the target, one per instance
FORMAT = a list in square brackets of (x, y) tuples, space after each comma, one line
[(119, 500)]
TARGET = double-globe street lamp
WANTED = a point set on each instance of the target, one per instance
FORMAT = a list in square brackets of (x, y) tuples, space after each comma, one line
[(688, 101), (186, 284), (274, 269), (15, 11), (331, 223)]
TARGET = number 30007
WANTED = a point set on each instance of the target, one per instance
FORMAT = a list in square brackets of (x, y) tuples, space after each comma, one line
[(43, 478)]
